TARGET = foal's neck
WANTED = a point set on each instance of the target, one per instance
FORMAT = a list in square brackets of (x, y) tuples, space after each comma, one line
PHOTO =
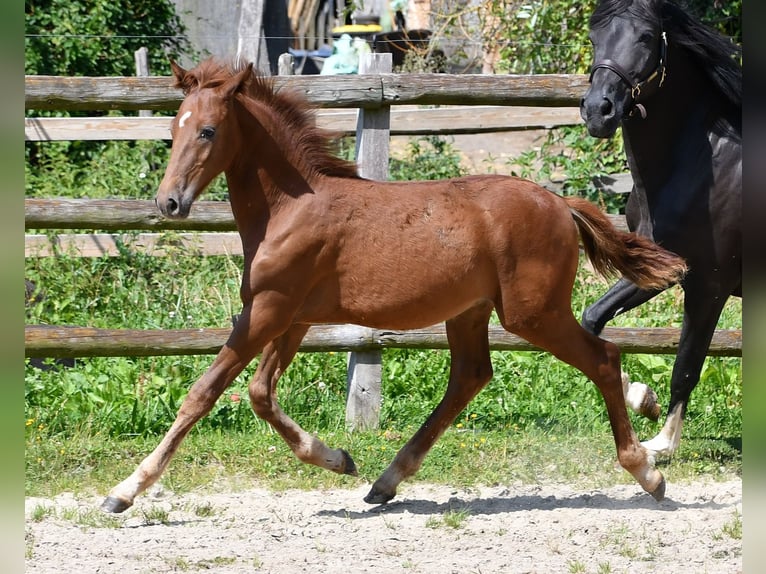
[(265, 176)]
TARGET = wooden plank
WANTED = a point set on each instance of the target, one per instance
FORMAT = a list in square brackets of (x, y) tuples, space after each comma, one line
[(93, 129), (138, 214), (405, 120), (71, 342), (122, 215), (340, 91), (112, 245)]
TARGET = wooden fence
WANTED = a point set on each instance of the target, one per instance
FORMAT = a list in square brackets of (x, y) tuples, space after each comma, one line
[(497, 103)]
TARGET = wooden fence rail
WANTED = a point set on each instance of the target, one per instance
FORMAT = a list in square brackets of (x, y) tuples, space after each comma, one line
[(73, 342), (405, 120), (346, 91)]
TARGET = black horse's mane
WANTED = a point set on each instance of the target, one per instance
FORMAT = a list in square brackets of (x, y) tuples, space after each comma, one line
[(717, 55)]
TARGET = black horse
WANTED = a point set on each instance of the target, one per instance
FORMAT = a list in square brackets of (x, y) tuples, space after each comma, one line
[(675, 86)]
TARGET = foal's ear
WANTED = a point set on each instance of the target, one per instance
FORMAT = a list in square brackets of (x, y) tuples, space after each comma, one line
[(182, 78), (235, 83)]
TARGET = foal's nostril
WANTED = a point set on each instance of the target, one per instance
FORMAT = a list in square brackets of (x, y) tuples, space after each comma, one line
[(172, 206), (606, 107)]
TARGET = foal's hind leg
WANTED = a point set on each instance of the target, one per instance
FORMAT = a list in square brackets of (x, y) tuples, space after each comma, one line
[(276, 356), (558, 332), (470, 370), (621, 297)]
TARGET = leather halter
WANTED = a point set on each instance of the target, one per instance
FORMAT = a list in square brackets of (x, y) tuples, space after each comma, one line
[(635, 88)]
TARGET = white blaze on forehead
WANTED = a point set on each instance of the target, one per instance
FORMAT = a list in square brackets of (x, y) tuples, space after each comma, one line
[(183, 119)]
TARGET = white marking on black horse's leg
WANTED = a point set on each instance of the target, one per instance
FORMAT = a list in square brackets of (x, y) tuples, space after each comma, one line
[(640, 398), (668, 439)]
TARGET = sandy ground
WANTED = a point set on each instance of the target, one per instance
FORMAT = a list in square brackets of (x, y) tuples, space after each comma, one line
[(510, 529)]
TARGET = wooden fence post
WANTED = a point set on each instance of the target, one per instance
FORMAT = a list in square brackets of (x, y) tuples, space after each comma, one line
[(141, 57), (372, 145)]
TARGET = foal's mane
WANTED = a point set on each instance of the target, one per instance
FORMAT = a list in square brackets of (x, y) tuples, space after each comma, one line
[(717, 55), (309, 145)]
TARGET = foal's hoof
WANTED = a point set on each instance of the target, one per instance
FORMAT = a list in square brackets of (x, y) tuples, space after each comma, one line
[(376, 496), (659, 492), (115, 505), (349, 467)]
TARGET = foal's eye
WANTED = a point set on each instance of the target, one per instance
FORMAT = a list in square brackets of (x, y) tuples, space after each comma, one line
[(207, 133)]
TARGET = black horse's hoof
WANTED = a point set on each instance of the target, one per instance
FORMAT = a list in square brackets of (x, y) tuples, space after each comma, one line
[(659, 492), (376, 496), (115, 505), (349, 466)]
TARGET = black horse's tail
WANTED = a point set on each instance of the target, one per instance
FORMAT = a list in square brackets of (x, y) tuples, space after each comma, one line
[(612, 251)]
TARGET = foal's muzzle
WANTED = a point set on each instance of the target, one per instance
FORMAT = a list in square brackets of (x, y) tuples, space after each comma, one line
[(173, 205)]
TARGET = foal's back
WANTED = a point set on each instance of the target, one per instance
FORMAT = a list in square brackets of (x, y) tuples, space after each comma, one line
[(411, 254)]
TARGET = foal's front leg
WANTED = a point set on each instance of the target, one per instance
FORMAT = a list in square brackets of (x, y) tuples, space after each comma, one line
[(277, 355), (244, 343)]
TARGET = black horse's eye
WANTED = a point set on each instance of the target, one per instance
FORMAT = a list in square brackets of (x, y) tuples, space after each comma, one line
[(207, 133)]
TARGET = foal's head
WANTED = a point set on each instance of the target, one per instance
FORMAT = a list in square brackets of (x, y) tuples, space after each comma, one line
[(205, 134)]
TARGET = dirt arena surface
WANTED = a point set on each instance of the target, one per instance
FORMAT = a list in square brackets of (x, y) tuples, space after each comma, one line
[(501, 529)]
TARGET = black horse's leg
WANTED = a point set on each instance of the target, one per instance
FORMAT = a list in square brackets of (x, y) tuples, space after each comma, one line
[(622, 297), (701, 312)]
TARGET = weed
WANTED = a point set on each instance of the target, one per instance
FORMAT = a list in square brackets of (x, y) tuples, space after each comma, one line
[(41, 511), (604, 568), (155, 515), (575, 566), (456, 518), (179, 563), (215, 562), (732, 529), (204, 510), (451, 519), (29, 545), (90, 518), (434, 522)]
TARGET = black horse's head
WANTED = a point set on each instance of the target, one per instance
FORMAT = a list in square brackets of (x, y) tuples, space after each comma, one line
[(629, 48)]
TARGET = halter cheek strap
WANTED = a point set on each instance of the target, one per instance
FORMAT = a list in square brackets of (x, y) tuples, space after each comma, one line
[(635, 88)]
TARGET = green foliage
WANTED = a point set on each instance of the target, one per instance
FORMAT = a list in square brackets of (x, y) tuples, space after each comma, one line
[(569, 153), (544, 37), (726, 17), (115, 169), (98, 38), (428, 157)]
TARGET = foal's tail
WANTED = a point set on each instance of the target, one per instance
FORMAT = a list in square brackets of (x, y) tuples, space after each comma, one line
[(612, 251)]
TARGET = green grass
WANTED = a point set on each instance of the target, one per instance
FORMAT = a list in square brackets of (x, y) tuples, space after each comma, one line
[(84, 463)]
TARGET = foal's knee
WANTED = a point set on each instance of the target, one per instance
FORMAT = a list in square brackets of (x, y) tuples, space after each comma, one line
[(260, 399)]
